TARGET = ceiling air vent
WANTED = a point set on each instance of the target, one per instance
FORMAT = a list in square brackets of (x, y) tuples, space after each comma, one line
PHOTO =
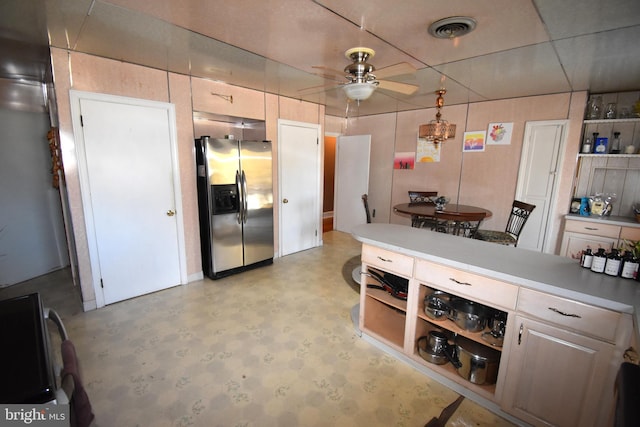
[(454, 26)]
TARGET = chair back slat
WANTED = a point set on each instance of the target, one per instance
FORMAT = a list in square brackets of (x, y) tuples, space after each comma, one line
[(520, 213), (421, 196)]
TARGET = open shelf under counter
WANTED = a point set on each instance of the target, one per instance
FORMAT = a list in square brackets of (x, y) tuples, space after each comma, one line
[(456, 330), (386, 298), (447, 370), (384, 322)]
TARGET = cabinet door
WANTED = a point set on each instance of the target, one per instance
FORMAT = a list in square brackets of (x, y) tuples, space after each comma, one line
[(574, 243), (557, 378)]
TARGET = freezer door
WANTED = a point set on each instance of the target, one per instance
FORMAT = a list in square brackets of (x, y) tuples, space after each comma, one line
[(256, 163), (226, 229)]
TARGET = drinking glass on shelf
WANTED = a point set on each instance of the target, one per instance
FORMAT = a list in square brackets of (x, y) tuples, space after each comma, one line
[(624, 113), (594, 108), (610, 111)]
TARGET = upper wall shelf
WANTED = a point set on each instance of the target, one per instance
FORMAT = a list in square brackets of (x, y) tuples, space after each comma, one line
[(629, 120), (608, 155)]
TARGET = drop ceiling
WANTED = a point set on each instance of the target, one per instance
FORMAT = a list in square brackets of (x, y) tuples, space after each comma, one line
[(519, 47)]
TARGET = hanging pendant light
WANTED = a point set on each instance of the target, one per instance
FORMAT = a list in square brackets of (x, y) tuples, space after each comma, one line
[(438, 130)]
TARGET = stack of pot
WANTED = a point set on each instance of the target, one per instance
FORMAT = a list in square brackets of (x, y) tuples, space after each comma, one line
[(473, 361)]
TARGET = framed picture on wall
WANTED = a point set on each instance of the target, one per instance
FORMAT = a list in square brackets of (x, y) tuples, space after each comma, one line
[(474, 141), (427, 151), (499, 133), (404, 160)]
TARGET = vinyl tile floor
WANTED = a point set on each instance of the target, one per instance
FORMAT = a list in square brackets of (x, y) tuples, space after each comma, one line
[(274, 346)]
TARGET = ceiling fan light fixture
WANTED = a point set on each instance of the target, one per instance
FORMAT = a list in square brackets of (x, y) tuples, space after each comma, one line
[(438, 130), (359, 91)]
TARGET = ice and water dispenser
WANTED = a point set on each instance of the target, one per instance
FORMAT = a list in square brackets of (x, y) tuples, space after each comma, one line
[(224, 199)]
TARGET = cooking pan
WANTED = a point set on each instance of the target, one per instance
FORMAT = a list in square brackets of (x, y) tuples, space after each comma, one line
[(396, 286), (473, 361), (468, 315), (436, 305)]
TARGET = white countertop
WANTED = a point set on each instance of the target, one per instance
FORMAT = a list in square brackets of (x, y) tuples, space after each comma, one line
[(548, 273), (624, 221)]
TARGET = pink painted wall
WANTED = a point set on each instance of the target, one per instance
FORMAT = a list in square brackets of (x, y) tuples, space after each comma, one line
[(94, 74), (486, 179)]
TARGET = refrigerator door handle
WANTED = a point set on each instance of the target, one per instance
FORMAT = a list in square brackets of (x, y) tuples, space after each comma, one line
[(245, 205), (239, 214)]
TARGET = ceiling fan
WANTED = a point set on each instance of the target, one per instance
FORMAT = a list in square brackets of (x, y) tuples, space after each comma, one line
[(363, 78)]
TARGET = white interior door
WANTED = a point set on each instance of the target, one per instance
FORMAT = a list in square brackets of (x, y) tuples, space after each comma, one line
[(543, 142), (300, 206), (351, 181), (128, 172)]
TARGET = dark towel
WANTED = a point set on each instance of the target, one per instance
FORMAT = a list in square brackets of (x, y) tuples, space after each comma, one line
[(81, 406)]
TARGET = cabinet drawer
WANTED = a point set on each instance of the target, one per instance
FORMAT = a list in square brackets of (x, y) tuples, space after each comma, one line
[(593, 228), (630, 233), (468, 285), (392, 262), (583, 318)]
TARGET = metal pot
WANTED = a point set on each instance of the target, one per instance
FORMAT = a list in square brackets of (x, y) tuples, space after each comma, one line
[(475, 362), (468, 315), (432, 348), (436, 305)]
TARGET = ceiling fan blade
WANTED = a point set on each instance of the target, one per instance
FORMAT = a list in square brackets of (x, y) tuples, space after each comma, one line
[(395, 70), (403, 88), (329, 70), (330, 77), (314, 89)]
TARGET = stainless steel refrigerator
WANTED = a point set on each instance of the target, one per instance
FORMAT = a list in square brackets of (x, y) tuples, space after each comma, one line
[(235, 204)]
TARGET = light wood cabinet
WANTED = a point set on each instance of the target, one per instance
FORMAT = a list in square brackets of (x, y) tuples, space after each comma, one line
[(574, 243), (382, 315), (629, 233), (559, 357), (579, 235), (423, 324), (558, 378), (399, 324), (560, 371)]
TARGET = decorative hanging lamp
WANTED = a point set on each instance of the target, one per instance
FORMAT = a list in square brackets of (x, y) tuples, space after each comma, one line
[(438, 130)]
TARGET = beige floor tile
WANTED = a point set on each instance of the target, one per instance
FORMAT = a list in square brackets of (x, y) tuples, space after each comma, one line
[(274, 346)]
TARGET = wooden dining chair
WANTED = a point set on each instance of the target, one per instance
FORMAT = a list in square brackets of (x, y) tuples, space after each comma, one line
[(520, 212), (469, 227), (466, 228), (365, 200), (422, 197)]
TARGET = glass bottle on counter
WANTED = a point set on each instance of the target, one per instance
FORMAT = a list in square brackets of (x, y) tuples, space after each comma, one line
[(599, 261), (586, 146), (630, 265), (612, 266), (587, 258)]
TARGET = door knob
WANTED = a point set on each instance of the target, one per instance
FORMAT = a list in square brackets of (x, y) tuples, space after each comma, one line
[(171, 212), (285, 200)]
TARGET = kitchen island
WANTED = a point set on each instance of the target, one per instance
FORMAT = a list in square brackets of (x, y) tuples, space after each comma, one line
[(566, 333)]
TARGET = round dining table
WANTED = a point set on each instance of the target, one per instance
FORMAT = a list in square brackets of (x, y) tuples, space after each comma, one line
[(452, 211)]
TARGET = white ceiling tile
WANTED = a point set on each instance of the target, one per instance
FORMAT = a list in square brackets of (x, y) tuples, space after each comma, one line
[(520, 72), (274, 45)]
